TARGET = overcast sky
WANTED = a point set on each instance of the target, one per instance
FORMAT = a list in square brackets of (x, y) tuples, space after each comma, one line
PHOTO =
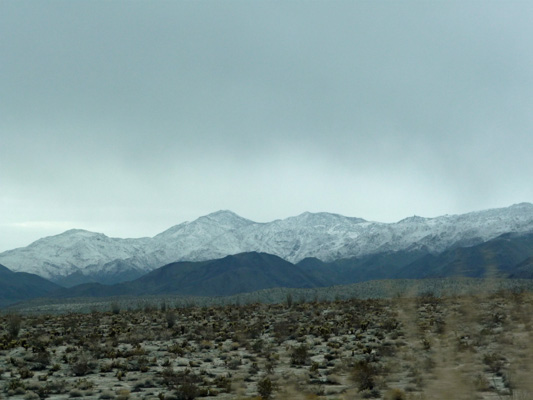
[(129, 117)]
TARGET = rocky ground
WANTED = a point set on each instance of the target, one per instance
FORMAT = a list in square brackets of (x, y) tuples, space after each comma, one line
[(470, 347)]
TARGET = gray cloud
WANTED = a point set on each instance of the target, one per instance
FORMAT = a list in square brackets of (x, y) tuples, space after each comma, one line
[(128, 117)]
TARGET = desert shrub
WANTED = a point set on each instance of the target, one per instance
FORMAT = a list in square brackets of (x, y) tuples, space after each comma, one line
[(269, 366), (187, 388), (25, 373), (123, 394), (16, 362), (80, 365), (120, 375), (44, 391), (42, 359), (395, 394), (257, 346), (234, 363), (314, 367), (283, 330), (84, 384), (106, 367), (75, 393), (364, 374), (56, 386), (170, 317), (177, 349), (14, 323), (184, 382), (265, 388), (387, 349), (299, 355), (481, 383), (389, 325), (289, 300), (106, 395), (254, 369), (115, 308), (427, 297), (369, 394), (187, 391), (144, 383), (141, 364), (223, 382), (31, 396), (16, 386), (428, 363), (493, 362)]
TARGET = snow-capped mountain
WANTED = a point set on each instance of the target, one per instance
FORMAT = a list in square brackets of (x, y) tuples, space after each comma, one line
[(191, 241), (71, 251), (322, 235)]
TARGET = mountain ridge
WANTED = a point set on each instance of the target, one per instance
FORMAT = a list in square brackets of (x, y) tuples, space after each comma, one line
[(507, 256), (232, 274), (81, 255)]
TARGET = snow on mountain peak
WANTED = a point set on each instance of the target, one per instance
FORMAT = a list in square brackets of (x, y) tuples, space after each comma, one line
[(414, 219), (522, 206), (322, 235), (212, 224), (227, 218), (223, 214), (323, 217)]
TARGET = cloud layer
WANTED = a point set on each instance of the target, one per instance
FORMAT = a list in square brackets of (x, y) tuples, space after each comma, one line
[(127, 118)]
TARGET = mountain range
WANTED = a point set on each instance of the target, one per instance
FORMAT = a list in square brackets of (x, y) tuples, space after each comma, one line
[(507, 256), (310, 239), (414, 248)]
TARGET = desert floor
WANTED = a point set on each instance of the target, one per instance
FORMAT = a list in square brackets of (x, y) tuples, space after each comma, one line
[(470, 347)]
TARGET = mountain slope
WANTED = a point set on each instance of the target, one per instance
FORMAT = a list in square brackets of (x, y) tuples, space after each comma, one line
[(232, 274), (18, 286), (240, 273), (507, 256), (359, 269), (524, 270), (504, 256), (71, 251), (79, 256)]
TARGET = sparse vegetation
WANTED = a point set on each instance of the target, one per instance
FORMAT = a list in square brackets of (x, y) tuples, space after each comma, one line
[(425, 347)]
